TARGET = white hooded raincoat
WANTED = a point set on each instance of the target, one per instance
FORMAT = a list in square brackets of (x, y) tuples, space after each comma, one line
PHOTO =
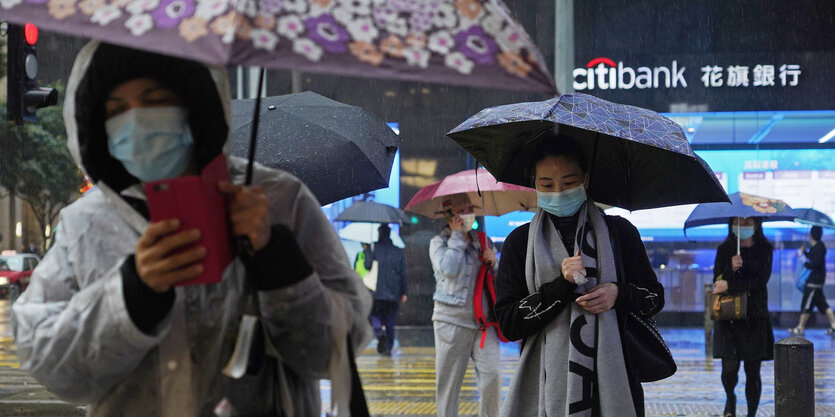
[(75, 335)]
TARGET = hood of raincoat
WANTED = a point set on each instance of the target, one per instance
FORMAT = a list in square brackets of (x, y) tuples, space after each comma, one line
[(100, 67)]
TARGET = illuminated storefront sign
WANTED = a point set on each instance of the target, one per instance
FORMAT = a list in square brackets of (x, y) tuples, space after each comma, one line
[(604, 74)]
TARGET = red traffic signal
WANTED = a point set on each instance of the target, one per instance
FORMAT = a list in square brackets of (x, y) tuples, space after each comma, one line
[(30, 32), (24, 96)]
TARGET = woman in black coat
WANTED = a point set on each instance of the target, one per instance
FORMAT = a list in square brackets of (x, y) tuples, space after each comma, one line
[(751, 340)]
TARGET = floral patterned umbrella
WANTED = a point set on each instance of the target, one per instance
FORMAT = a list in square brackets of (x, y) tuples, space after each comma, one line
[(741, 205), (462, 42)]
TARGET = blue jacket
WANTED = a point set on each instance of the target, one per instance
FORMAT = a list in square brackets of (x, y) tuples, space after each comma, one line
[(391, 273)]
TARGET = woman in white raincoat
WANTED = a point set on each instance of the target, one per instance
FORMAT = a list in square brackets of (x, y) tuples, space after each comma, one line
[(101, 322)]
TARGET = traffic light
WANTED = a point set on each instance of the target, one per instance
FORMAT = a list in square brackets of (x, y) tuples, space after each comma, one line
[(24, 96)]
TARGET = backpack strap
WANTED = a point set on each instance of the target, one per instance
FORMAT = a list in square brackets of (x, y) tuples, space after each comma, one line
[(485, 279)]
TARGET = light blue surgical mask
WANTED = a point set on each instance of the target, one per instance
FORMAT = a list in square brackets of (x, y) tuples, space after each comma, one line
[(562, 203), (744, 232), (152, 143)]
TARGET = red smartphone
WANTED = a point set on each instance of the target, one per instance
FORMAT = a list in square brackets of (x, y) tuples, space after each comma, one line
[(197, 203)]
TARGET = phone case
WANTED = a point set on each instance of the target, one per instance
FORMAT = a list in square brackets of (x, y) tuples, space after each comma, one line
[(197, 203)]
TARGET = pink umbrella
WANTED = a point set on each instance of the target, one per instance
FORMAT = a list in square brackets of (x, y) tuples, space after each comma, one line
[(496, 198)]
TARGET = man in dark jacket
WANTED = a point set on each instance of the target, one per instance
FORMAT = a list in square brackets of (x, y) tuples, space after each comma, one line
[(391, 288), (813, 292)]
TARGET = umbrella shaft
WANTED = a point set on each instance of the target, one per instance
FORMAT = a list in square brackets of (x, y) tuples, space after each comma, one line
[(256, 117)]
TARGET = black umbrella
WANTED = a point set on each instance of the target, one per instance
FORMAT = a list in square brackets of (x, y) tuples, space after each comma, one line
[(638, 159), (338, 150), (371, 212)]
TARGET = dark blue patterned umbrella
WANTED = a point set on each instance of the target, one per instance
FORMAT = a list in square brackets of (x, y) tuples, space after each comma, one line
[(813, 217), (638, 158), (742, 205)]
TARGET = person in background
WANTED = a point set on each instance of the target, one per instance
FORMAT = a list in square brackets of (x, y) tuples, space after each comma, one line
[(104, 321), (391, 290), (359, 260), (813, 292), (751, 340), (456, 257), (563, 299)]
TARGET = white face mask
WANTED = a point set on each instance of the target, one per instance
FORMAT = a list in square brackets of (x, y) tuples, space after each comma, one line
[(152, 143), (468, 220)]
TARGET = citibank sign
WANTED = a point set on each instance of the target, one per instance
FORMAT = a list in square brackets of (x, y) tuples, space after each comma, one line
[(604, 74)]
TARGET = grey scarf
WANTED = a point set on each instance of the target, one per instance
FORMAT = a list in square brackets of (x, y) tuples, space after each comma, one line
[(556, 371)]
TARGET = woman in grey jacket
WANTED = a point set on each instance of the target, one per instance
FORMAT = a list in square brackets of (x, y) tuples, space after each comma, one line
[(103, 322), (456, 258)]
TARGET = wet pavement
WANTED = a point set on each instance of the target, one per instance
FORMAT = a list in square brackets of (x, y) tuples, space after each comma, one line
[(403, 384)]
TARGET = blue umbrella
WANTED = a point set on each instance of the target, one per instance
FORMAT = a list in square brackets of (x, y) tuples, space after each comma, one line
[(638, 158), (742, 205), (813, 217)]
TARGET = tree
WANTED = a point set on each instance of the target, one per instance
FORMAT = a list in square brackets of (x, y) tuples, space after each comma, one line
[(37, 166)]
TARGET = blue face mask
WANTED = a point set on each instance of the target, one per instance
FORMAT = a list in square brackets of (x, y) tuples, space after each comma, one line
[(744, 232), (562, 203), (152, 143)]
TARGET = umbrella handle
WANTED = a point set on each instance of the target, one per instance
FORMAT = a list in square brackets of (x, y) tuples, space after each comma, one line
[(244, 246)]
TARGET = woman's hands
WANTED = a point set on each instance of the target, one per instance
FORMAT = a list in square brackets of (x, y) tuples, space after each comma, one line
[(249, 212), (489, 257), (158, 260), (736, 262), (456, 224), (599, 299), (720, 286), (571, 266)]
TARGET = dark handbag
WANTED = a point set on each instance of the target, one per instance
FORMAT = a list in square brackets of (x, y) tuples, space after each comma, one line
[(646, 354), (730, 306)]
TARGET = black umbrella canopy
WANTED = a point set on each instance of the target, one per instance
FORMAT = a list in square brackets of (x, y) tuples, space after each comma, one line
[(338, 150), (371, 212)]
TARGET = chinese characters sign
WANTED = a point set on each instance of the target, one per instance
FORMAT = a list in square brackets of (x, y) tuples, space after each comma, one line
[(761, 75)]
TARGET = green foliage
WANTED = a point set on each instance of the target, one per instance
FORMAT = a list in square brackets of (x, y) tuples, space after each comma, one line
[(36, 165)]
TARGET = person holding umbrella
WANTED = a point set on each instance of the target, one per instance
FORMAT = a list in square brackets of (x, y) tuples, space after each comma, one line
[(813, 292), (457, 257), (104, 322), (391, 289), (743, 264), (557, 290)]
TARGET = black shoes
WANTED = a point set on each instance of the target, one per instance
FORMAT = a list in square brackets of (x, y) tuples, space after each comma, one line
[(382, 345), (730, 407)]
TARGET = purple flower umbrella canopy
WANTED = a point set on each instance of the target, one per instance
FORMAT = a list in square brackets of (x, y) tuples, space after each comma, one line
[(462, 42)]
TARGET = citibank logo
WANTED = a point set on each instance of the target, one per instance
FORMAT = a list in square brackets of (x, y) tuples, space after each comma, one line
[(604, 74)]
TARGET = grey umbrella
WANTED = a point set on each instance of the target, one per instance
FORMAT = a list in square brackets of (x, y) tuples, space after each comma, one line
[(338, 150), (371, 212)]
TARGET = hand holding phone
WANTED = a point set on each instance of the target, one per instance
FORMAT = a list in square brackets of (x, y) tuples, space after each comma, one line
[(160, 260), (196, 204)]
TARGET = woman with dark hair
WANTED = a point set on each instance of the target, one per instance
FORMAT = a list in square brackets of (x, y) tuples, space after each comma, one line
[(743, 265), (813, 291), (557, 283)]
